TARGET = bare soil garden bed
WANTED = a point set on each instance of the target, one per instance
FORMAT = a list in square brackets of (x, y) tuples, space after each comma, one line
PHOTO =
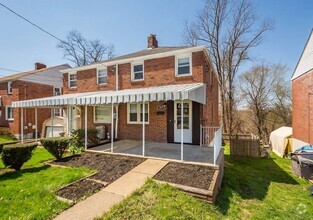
[(196, 176)]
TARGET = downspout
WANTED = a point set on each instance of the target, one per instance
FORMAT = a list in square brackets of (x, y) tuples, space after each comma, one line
[(116, 107)]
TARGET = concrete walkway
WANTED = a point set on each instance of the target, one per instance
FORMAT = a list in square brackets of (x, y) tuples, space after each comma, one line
[(95, 205)]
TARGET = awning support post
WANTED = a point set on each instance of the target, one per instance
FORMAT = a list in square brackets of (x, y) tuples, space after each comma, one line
[(112, 129), (143, 128), (182, 131), (22, 125), (86, 127), (36, 124), (51, 122)]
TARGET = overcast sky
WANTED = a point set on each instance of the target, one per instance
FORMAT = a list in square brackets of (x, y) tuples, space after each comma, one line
[(126, 24)]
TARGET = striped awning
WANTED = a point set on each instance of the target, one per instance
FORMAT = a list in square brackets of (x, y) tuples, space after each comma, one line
[(194, 92)]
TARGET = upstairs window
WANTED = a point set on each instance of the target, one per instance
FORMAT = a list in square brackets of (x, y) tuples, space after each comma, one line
[(102, 76), (9, 113), (72, 80), (134, 113), (9, 87), (183, 66), (57, 91), (137, 72)]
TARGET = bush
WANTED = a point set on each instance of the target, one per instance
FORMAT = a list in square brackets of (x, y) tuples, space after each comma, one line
[(1, 147), (73, 149), (56, 146), (79, 137), (16, 155)]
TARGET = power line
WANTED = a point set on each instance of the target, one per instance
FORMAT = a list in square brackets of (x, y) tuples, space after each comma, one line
[(1, 68), (32, 23)]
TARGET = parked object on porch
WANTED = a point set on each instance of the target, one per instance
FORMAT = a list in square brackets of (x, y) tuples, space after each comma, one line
[(281, 141), (53, 127), (302, 165), (244, 147), (16, 155), (56, 146), (101, 134)]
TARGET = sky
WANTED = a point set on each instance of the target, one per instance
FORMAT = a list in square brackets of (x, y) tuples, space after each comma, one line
[(126, 24)]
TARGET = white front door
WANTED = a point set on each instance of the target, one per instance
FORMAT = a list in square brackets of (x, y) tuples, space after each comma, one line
[(187, 121)]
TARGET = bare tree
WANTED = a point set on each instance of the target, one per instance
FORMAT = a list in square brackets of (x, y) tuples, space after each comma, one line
[(81, 51), (259, 90), (229, 29)]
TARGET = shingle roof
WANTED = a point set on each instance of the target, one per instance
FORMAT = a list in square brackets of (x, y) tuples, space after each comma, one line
[(22, 74)]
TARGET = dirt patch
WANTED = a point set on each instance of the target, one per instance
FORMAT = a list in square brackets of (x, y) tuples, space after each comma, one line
[(80, 189), (186, 174), (110, 167)]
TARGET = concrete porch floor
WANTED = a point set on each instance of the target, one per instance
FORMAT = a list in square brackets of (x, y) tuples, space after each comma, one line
[(192, 153)]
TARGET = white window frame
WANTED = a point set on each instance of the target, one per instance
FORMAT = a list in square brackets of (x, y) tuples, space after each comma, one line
[(69, 80), (54, 93), (11, 118), (182, 56), (133, 73), (138, 113), (99, 69), (60, 112), (10, 88), (109, 120)]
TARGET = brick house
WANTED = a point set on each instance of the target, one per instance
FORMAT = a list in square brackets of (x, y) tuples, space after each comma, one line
[(141, 95), (302, 97), (41, 82)]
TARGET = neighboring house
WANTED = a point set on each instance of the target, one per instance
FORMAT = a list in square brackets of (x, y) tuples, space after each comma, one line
[(160, 77), (302, 97), (41, 82)]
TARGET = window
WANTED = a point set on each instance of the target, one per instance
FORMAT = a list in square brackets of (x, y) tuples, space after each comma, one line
[(9, 113), (134, 113), (72, 80), (58, 112), (57, 91), (137, 72), (102, 114), (9, 87), (183, 66), (102, 76)]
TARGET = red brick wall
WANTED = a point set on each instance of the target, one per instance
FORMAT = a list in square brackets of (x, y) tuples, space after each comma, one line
[(157, 72), (22, 90), (302, 107)]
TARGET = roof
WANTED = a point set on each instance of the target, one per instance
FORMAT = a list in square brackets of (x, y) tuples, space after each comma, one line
[(282, 132), (194, 92), (24, 74), (149, 53), (305, 62)]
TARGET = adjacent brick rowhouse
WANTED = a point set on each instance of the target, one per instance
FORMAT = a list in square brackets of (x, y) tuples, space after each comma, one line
[(302, 107), (22, 90), (157, 72)]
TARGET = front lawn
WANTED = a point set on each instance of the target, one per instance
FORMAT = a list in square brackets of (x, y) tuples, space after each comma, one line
[(29, 193), (6, 138), (252, 189)]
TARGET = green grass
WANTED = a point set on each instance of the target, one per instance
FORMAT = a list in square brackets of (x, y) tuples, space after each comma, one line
[(6, 138), (29, 193), (252, 189)]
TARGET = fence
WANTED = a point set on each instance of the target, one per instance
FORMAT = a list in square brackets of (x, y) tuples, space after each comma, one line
[(244, 147), (211, 137)]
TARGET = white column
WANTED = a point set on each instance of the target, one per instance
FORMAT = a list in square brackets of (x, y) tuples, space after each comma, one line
[(116, 121), (36, 124), (143, 129), (68, 115), (112, 129), (182, 131), (22, 125), (51, 122), (86, 127)]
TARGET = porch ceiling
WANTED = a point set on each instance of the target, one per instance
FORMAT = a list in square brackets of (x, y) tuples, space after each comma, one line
[(194, 92)]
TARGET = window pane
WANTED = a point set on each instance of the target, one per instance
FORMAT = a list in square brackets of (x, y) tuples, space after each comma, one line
[(102, 80), (138, 68), (138, 75), (133, 108), (183, 70), (72, 83), (103, 114), (133, 117), (102, 72), (183, 62), (73, 77)]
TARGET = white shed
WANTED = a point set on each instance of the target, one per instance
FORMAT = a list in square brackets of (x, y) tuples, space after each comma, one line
[(281, 141)]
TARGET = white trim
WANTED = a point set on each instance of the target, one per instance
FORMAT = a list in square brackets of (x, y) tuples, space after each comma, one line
[(10, 89), (69, 80), (134, 59), (138, 113), (6, 113), (182, 56), (133, 73), (101, 121), (97, 73)]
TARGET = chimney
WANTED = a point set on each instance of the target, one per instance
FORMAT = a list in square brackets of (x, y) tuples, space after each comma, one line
[(152, 41), (39, 66)]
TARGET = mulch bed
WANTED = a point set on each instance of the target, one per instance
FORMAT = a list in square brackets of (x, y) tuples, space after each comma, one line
[(79, 189), (186, 174), (109, 167)]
